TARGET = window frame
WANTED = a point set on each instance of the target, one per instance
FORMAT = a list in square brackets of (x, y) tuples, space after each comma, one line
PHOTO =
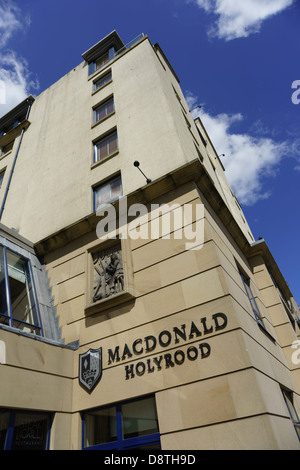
[(102, 185), (103, 59), (4, 150), (105, 106), (11, 425), (121, 443), (102, 139), (282, 298), (105, 79), (6, 290), (247, 287), (288, 398), (2, 175), (92, 67)]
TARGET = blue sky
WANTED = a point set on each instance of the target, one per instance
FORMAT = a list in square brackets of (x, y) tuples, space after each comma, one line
[(239, 59)]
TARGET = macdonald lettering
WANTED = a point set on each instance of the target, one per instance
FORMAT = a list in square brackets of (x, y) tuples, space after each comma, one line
[(166, 338)]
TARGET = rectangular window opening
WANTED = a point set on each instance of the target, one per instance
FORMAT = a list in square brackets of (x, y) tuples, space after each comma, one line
[(288, 398), (139, 418), (6, 149), (255, 309), (104, 110), (20, 430), (102, 60), (2, 173), (103, 80), (105, 146), (18, 303), (126, 425), (108, 192)]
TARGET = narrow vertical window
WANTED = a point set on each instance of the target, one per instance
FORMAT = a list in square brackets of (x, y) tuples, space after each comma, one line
[(108, 192), (104, 110), (102, 81), (255, 309), (102, 60), (6, 149), (288, 398), (2, 173), (105, 146), (18, 303)]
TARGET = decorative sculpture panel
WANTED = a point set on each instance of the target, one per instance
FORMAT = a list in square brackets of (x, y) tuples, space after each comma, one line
[(108, 273)]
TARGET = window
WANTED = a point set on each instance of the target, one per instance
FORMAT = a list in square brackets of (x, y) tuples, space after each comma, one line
[(20, 430), (103, 110), (246, 283), (105, 146), (204, 142), (123, 426), (102, 81), (287, 305), (108, 192), (2, 173), (7, 148), (18, 303), (288, 398), (12, 125), (101, 60)]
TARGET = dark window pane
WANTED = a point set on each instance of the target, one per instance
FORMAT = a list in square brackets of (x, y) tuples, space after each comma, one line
[(123, 426), (100, 427), (109, 107), (30, 432), (1, 177), (101, 61), (3, 303), (104, 110), (100, 113), (20, 288), (4, 422), (102, 150), (7, 148), (290, 404), (106, 146), (109, 192), (246, 282), (113, 143), (99, 83), (139, 418)]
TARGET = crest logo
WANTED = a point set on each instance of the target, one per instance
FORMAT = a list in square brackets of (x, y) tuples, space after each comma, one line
[(90, 368)]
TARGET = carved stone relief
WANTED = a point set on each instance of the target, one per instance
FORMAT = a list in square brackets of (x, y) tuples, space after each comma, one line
[(108, 273)]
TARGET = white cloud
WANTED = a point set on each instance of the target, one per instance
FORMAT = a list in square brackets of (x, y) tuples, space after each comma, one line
[(15, 78), (9, 21), (240, 18), (295, 152), (249, 161)]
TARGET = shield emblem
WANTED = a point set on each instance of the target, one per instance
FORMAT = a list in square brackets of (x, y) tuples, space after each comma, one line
[(90, 368)]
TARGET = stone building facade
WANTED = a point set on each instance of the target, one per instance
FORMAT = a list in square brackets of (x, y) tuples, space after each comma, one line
[(138, 311)]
